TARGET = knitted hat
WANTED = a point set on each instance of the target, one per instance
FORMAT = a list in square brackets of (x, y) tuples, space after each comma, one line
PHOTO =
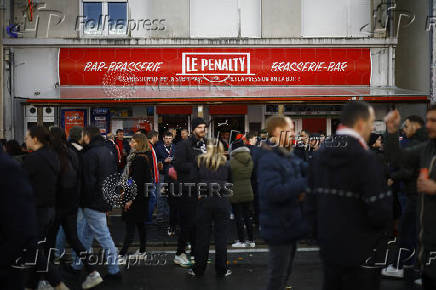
[(197, 122)]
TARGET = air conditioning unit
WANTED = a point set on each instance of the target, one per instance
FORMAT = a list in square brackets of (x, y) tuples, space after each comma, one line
[(48, 112)]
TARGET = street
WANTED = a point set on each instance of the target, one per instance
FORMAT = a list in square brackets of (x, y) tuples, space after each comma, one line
[(249, 272)]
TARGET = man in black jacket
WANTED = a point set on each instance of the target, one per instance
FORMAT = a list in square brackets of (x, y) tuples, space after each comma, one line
[(185, 157), (18, 227), (97, 166), (348, 203), (407, 239), (420, 157)]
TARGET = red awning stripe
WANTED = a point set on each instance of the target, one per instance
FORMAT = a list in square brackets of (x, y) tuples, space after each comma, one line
[(224, 99), (228, 109), (171, 110)]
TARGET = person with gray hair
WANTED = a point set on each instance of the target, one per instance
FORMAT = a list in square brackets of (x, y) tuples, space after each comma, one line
[(113, 147)]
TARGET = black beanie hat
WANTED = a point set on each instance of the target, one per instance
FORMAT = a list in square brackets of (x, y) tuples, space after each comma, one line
[(196, 122)]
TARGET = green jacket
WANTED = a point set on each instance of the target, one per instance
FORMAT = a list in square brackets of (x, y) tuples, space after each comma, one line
[(242, 167)]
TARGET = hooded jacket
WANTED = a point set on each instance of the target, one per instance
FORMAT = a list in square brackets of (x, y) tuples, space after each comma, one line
[(281, 181), (43, 168), (347, 204), (241, 165)]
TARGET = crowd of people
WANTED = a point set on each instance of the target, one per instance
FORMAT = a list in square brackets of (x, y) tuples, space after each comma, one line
[(353, 192)]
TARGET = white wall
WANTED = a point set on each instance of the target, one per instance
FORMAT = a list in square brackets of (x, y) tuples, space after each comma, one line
[(281, 18), (36, 70), (225, 18), (176, 15), (139, 9), (334, 18), (413, 61), (251, 18), (173, 13), (211, 18), (380, 69)]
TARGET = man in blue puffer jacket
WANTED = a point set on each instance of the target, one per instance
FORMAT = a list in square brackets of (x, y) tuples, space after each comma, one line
[(281, 184)]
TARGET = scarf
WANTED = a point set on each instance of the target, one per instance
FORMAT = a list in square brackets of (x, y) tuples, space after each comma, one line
[(127, 170), (155, 169), (342, 130)]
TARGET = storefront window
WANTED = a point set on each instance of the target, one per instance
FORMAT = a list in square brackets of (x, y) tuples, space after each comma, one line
[(272, 108), (291, 109), (177, 122), (132, 119), (227, 124)]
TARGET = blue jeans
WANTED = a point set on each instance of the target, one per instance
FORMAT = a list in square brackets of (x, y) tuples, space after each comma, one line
[(408, 233), (163, 209), (95, 226), (151, 204), (60, 242)]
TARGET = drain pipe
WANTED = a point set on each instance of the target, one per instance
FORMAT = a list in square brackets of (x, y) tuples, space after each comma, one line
[(432, 53), (12, 89), (2, 107)]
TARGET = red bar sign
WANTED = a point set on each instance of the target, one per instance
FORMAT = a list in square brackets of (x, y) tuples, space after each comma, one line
[(216, 66), (203, 64)]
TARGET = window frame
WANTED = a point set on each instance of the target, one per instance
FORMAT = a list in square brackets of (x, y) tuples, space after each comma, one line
[(105, 12)]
